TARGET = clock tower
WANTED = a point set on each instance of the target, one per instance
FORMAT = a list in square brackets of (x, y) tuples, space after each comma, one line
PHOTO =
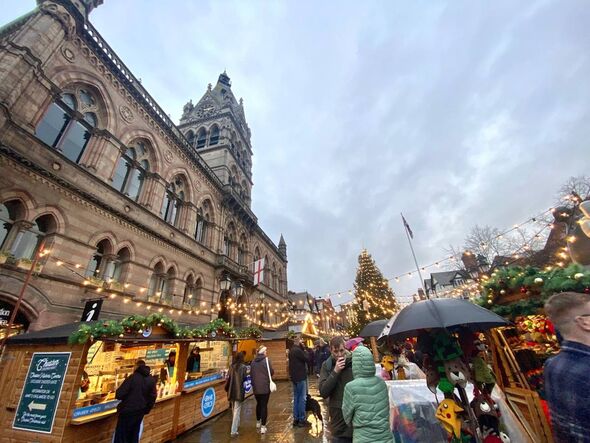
[(216, 127)]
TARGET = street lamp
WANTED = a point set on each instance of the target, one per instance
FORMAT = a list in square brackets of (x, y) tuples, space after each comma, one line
[(225, 283)]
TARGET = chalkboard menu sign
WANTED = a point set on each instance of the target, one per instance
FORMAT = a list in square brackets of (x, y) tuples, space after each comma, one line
[(41, 391)]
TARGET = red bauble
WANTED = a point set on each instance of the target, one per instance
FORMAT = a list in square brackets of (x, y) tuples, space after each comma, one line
[(523, 290), (587, 290)]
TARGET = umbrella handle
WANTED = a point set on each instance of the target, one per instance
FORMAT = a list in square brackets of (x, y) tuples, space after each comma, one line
[(472, 419)]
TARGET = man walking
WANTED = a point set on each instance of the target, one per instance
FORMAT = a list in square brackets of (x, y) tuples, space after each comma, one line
[(567, 375), (298, 375), (138, 396), (336, 371)]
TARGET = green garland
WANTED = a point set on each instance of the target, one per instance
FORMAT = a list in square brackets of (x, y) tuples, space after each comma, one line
[(537, 285), (135, 324), (250, 332)]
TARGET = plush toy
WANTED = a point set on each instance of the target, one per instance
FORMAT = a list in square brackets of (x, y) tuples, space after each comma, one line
[(483, 375), (492, 439), (446, 413), (432, 378), (504, 438), (445, 347), (457, 372), (486, 413)]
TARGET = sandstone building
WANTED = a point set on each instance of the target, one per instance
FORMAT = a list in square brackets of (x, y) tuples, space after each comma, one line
[(147, 215)]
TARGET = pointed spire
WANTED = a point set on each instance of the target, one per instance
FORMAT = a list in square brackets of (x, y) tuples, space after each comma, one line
[(283, 247), (224, 79)]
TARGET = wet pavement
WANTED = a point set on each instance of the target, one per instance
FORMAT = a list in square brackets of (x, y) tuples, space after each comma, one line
[(279, 427)]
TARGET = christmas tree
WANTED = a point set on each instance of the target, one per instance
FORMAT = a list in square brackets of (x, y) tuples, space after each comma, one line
[(373, 298)]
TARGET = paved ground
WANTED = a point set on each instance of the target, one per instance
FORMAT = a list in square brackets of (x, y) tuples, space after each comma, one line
[(280, 429)]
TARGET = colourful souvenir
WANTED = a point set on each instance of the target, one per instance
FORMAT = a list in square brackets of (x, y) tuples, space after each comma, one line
[(445, 347), (457, 372), (446, 413)]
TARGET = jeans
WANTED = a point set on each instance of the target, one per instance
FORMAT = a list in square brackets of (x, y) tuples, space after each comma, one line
[(235, 422), (299, 397), (262, 407), (128, 428)]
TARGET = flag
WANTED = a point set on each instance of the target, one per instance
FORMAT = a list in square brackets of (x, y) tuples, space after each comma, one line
[(408, 227), (258, 271)]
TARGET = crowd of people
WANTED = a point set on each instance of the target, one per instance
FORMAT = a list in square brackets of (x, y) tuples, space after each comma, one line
[(354, 387)]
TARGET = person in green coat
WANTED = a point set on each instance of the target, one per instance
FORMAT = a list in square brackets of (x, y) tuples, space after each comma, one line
[(366, 401)]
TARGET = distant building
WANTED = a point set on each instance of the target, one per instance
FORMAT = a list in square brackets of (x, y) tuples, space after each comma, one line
[(327, 314), (440, 283)]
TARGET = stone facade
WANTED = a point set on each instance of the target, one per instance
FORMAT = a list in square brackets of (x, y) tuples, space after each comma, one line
[(129, 209)]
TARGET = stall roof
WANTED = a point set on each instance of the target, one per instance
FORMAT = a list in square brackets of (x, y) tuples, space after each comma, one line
[(60, 334), (57, 334)]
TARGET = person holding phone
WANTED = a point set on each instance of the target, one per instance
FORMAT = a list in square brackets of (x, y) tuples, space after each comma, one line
[(335, 373)]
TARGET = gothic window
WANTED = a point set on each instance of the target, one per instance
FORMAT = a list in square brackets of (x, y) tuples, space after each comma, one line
[(214, 137), (7, 218), (201, 138), (228, 241), (97, 263), (27, 242), (204, 215), (68, 123), (266, 271), (131, 170), (157, 283), (173, 202), (117, 266), (242, 250), (188, 297), (190, 136)]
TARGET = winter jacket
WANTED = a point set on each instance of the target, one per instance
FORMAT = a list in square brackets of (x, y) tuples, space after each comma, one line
[(332, 387), (137, 393), (234, 386), (297, 364), (321, 355), (259, 375), (366, 401)]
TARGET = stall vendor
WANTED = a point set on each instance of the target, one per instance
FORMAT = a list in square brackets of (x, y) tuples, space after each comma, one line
[(193, 364), (167, 372)]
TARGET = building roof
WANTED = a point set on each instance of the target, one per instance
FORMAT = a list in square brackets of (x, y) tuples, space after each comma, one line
[(446, 278)]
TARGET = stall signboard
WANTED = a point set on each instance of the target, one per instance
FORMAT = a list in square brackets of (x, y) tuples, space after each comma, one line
[(200, 381), (247, 381), (208, 402), (155, 355), (4, 316), (95, 409), (91, 310), (41, 391)]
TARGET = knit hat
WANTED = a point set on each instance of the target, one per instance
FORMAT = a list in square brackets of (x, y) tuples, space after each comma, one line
[(262, 349)]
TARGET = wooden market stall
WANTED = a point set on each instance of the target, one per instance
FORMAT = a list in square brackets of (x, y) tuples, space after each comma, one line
[(277, 345), (42, 378)]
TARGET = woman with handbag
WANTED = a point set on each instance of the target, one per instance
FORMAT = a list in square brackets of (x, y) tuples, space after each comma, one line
[(261, 372), (234, 386)]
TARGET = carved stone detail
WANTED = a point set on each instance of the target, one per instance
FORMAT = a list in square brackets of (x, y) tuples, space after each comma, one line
[(168, 156), (68, 54), (61, 15), (126, 113)]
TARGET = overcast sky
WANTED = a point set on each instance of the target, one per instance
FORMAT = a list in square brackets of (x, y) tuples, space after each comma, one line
[(455, 113)]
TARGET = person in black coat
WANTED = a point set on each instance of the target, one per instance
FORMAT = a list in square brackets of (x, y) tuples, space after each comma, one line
[(298, 375), (138, 396), (234, 386)]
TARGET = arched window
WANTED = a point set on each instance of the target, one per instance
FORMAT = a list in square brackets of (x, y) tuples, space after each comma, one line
[(98, 262), (242, 250), (190, 137), (157, 285), (201, 138), (7, 219), (204, 216), (188, 298), (274, 276), (214, 137), (27, 242), (117, 266), (173, 201), (266, 276), (228, 241), (167, 295), (68, 122), (131, 170)]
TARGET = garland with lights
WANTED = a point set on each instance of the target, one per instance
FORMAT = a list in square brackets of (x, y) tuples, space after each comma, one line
[(537, 285), (135, 324), (250, 332)]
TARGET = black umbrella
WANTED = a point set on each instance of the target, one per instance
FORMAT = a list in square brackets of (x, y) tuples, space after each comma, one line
[(373, 329), (443, 313)]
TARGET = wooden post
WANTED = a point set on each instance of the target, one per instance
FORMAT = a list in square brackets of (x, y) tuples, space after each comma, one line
[(374, 349)]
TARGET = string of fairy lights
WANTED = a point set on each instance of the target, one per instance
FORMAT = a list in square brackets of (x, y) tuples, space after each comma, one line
[(284, 311), (452, 258)]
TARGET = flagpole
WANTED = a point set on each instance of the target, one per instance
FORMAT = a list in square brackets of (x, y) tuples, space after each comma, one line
[(415, 260)]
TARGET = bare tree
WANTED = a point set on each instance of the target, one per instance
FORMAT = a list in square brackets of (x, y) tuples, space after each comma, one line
[(486, 241), (455, 254), (577, 187)]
